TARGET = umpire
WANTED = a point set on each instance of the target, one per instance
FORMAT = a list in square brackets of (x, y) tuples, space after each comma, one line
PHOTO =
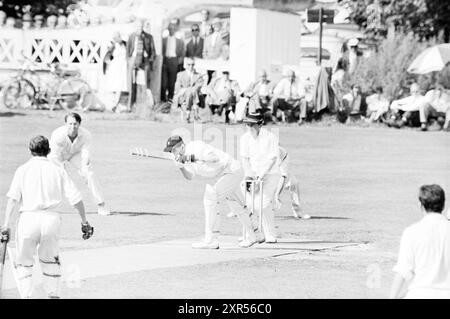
[(38, 188)]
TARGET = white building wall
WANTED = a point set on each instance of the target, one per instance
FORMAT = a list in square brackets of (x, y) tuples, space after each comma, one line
[(262, 39), (243, 30)]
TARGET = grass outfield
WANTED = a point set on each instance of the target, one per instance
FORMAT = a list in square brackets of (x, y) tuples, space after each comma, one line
[(359, 184)]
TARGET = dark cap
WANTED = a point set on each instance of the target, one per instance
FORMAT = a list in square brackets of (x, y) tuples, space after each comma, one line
[(171, 142), (254, 118)]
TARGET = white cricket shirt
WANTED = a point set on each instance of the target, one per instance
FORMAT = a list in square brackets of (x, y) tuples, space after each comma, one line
[(39, 184), (203, 151), (260, 151), (424, 257), (62, 148)]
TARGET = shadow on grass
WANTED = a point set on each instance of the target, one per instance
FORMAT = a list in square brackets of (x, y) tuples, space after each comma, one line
[(135, 214), (10, 114)]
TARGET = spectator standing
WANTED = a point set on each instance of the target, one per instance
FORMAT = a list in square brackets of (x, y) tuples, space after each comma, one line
[(353, 55), (213, 47), (214, 43), (205, 25), (38, 21), (2, 18), (173, 56), (141, 54), (337, 80), (115, 68), (194, 48), (423, 266)]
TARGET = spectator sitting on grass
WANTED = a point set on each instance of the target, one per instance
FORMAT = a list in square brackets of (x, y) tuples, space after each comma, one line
[(438, 106), (353, 105), (407, 106), (377, 105), (423, 266)]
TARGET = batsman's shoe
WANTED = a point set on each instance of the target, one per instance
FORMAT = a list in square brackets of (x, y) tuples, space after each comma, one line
[(247, 243), (305, 216), (103, 210), (260, 237), (206, 245)]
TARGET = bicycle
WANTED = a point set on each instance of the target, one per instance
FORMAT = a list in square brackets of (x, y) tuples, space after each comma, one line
[(27, 90)]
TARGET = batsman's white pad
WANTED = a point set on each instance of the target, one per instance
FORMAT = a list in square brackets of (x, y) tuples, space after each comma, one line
[(240, 109), (17, 274), (210, 195)]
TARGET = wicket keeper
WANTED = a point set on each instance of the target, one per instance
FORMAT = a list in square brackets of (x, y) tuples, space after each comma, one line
[(259, 152)]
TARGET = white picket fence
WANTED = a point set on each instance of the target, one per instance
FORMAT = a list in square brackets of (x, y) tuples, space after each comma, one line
[(81, 49)]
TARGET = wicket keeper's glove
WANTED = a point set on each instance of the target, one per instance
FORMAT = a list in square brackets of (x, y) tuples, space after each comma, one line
[(87, 230), (4, 235)]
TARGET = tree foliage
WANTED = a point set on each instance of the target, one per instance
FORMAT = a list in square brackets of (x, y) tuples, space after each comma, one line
[(16, 8), (387, 66), (425, 18)]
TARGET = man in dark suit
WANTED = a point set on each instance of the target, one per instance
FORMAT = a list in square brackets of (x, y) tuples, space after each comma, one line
[(173, 56), (194, 48), (141, 54)]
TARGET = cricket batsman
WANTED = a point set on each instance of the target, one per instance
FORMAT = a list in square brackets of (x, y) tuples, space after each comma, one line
[(37, 189), (259, 152), (290, 182), (197, 158), (70, 144)]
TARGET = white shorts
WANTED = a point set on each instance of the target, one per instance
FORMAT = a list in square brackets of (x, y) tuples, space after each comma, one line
[(37, 230)]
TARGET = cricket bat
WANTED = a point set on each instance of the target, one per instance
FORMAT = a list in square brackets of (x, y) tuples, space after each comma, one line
[(143, 152), (153, 154), (2, 264)]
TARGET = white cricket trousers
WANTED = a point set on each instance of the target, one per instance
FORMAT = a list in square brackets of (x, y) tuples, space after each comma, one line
[(270, 184), (87, 173), (38, 230), (227, 188)]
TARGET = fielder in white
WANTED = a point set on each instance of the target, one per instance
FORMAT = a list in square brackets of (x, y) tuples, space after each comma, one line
[(38, 188), (259, 151), (423, 265), (70, 144), (290, 182), (197, 158)]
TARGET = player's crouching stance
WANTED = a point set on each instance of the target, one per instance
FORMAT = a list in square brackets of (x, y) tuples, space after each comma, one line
[(290, 182), (38, 187), (197, 158), (259, 152), (70, 144)]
